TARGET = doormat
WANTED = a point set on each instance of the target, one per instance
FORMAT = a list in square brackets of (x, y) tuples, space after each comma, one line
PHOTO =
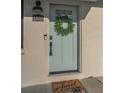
[(70, 86)]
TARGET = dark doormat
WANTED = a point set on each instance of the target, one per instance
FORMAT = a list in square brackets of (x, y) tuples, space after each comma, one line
[(70, 86)]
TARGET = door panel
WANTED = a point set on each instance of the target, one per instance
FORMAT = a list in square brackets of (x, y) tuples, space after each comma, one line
[(64, 48)]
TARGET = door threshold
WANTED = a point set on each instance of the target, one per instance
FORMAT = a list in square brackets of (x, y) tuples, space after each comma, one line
[(64, 72)]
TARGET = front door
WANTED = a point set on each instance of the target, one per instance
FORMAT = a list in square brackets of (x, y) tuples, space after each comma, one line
[(63, 45)]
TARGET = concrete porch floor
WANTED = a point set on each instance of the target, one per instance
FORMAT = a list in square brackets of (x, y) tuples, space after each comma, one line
[(92, 85)]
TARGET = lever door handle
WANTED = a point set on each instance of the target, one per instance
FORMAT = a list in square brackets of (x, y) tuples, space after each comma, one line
[(50, 53)]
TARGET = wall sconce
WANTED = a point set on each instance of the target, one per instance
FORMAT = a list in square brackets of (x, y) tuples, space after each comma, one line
[(38, 12)]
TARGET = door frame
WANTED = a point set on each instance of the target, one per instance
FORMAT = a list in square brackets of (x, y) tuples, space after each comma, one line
[(79, 54)]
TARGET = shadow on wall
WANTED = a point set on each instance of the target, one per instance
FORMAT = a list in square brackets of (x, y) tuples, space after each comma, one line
[(28, 7), (89, 5)]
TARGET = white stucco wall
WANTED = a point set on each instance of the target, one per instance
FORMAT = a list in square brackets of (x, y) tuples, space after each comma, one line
[(35, 60)]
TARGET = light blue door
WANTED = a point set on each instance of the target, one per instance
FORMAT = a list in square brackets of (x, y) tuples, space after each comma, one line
[(63, 56)]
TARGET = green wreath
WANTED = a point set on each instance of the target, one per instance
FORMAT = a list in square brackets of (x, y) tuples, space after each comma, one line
[(59, 25)]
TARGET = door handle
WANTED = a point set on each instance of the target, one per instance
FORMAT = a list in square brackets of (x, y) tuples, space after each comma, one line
[(50, 49), (51, 37)]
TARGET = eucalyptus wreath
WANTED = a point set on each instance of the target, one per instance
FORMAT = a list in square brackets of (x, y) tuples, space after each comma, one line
[(59, 25)]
